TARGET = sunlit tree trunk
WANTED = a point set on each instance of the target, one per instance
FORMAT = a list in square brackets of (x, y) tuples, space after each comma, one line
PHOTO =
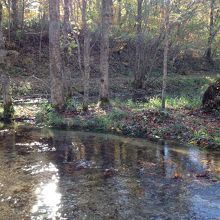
[(66, 31), (104, 54), (119, 12), (86, 55), (76, 7), (57, 95), (98, 12), (138, 81), (166, 48)]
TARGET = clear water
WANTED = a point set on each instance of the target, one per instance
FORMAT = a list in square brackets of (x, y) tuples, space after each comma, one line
[(53, 174)]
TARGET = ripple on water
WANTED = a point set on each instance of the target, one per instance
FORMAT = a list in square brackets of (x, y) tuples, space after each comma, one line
[(50, 174)]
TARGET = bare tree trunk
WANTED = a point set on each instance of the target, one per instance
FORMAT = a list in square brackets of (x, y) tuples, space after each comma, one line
[(71, 10), (57, 94), (21, 19), (78, 11), (7, 98), (14, 15), (78, 52), (166, 48), (66, 24), (86, 56), (2, 42), (9, 21), (22, 15), (104, 55), (211, 31), (119, 13), (5, 80), (98, 11), (41, 36), (66, 31), (97, 6), (138, 81)]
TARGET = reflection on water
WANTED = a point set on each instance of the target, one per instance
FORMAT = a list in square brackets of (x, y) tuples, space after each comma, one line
[(50, 174), (48, 199)]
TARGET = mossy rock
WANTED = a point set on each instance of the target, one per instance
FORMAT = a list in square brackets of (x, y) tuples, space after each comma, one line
[(211, 97), (8, 113)]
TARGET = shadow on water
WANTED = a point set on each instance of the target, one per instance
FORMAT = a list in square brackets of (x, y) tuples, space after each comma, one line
[(53, 174)]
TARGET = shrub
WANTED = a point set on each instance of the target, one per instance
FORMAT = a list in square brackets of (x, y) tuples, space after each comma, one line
[(117, 114)]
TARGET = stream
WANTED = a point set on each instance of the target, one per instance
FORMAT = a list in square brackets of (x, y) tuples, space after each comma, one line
[(65, 175)]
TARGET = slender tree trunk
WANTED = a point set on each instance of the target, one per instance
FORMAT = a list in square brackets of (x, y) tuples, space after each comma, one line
[(211, 31), (9, 21), (21, 19), (14, 15), (104, 54), (119, 13), (86, 56), (57, 94), (66, 31), (7, 97), (42, 18), (71, 10), (138, 81), (98, 11), (5, 80), (66, 24), (2, 42), (77, 11), (166, 48), (22, 15)]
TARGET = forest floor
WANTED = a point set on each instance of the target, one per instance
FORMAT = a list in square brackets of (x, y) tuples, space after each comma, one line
[(191, 126), (136, 114)]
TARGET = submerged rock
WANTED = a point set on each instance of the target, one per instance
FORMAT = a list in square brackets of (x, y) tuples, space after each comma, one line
[(83, 164), (109, 172)]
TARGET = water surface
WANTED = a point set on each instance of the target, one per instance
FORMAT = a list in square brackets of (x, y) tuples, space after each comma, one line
[(52, 174)]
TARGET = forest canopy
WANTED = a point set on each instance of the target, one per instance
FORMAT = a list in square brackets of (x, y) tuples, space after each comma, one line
[(190, 20)]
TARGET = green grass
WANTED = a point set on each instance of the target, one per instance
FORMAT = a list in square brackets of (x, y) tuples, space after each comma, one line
[(155, 103), (204, 139), (216, 136), (1, 109), (189, 85), (182, 92), (125, 117)]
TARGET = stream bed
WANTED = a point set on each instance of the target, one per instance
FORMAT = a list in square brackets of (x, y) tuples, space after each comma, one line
[(66, 175)]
